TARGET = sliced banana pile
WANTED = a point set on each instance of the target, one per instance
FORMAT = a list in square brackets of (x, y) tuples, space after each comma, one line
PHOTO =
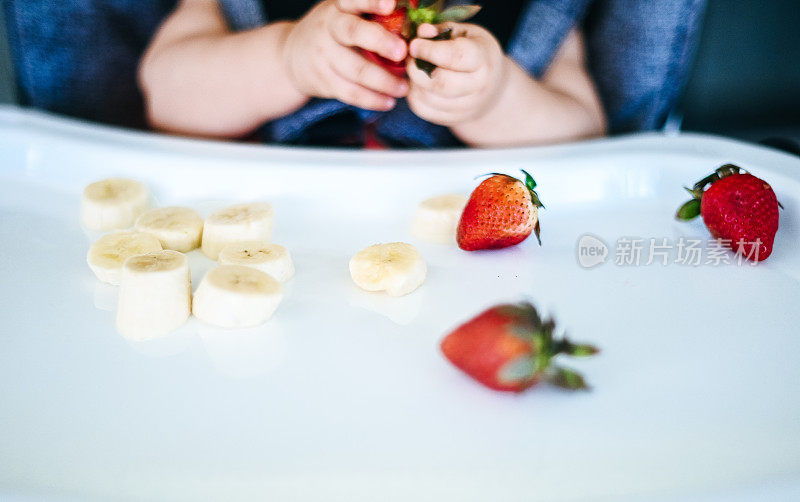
[(155, 295), (396, 268), (237, 223), (234, 296), (245, 289), (271, 259), (436, 219), (178, 228), (108, 254), (147, 262), (113, 204)]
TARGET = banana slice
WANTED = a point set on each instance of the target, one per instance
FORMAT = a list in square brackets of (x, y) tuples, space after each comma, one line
[(155, 295), (113, 204), (436, 219), (271, 259), (178, 228), (396, 268), (107, 255), (241, 222), (233, 296)]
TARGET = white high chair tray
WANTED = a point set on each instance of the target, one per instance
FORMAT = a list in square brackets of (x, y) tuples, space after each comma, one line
[(344, 395)]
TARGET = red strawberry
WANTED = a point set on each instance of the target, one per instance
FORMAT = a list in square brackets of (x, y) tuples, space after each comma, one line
[(395, 23), (407, 17), (737, 208), (501, 212), (510, 348)]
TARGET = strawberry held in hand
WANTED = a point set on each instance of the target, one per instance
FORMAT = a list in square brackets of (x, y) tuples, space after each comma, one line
[(510, 348), (738, 209), (407, 17), (502, 211)]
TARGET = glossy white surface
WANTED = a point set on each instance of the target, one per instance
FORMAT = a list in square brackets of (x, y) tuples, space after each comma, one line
[(344, 395)]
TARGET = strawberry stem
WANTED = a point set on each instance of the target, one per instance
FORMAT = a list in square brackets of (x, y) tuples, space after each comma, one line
[(692, 208), (564, 346), (539, 332), (426, 66), (430, 11)]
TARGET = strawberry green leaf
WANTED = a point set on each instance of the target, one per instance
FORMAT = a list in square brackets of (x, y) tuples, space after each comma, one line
[(537, 231), (700, 186), (566, 379), (727, 170), (694, 192), (584, 350), (564, 346), (457, 14), (689, 210), (529, 181), (422, 16)]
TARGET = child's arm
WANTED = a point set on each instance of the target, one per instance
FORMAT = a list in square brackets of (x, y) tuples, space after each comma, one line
[(487, 100), (198, 78)]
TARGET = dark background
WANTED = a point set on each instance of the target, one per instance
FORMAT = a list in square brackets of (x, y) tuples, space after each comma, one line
[(745, 82), (6, 81), (746, 77)]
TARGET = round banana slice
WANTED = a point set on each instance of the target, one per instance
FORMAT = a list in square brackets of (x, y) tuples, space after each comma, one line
[(178, 228), (233, 296), (396, 268), (436, 219), (107, 255), (155, 295), (271, 259), (240, 222), (113, 204)]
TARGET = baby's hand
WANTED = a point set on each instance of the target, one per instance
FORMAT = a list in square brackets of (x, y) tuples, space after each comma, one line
[(468, 78), (322, 61)]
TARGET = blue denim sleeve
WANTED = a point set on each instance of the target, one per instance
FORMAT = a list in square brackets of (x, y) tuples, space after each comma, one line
[(640, 55), (542, 29), (639, 51), (79, 57)]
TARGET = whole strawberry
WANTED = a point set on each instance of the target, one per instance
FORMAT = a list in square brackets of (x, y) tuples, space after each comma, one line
[(510, 348), (738, 209), (407, 17), (502, 211)]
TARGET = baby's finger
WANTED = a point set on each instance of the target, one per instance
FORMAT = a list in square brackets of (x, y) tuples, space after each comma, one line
[(460, 54), (427, 30), (355, 68), (421, 106), (446, 105), (383, 7), (352, 31), (356, 95), (442, 82)]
